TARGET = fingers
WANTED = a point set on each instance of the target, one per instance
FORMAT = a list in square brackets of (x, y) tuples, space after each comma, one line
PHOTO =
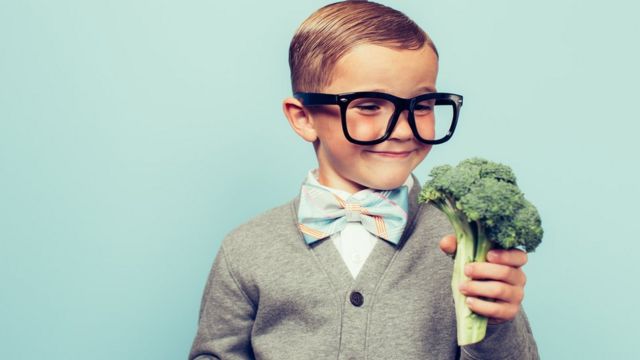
[(448, 244), (495, 290), (497, 312), (512, 257), (489, 271)]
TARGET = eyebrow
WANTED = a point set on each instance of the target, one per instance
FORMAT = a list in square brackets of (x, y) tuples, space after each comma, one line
[(421, 90), (428, 89)]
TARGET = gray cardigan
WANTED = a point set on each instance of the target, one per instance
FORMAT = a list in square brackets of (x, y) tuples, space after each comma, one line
[(271, 296)]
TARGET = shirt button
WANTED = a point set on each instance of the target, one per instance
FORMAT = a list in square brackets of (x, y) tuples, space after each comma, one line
[(356, 298)]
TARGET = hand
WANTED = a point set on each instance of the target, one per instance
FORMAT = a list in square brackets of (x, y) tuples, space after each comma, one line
[(500, 279)]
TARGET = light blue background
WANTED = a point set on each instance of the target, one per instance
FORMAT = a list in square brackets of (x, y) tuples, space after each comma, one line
[(135, 134)]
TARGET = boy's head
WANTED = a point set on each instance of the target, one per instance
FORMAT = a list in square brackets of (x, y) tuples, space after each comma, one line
[(360, 46), (330, 32)]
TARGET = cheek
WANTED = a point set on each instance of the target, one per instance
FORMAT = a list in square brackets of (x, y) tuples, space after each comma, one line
[(326, 120), (348, 153), (426, 126), (366, 129), (424, 150), (340, 151)]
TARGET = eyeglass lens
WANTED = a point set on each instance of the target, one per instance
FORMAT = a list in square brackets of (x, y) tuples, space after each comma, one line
[(367, 119)]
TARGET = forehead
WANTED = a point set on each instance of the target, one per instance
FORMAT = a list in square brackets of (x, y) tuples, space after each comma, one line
[(400, 72)]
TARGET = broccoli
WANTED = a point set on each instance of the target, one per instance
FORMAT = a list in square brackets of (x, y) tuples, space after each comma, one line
[(487, 210)]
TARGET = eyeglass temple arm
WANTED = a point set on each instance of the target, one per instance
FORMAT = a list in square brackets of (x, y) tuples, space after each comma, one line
[(316, 98)]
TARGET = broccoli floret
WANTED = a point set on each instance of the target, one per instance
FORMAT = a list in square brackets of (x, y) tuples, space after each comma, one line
[(487, 210)]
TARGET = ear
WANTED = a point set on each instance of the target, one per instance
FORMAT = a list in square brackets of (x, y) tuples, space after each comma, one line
[(299, 118)]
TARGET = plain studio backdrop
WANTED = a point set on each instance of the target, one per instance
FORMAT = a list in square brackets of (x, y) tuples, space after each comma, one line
[(135, 134)]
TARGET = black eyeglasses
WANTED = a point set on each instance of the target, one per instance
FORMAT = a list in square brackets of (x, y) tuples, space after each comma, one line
[(369, 117)]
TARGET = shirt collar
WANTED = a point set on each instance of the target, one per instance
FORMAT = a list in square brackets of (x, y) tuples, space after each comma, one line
[(312, 178)]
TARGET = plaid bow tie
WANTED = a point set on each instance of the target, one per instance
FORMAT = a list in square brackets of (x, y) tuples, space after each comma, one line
[(322, 213)]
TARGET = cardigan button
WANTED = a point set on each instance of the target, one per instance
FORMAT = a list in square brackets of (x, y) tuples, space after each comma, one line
[(356, 298)]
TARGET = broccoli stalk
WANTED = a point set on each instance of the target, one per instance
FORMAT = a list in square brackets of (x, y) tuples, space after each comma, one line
[(486, 209)]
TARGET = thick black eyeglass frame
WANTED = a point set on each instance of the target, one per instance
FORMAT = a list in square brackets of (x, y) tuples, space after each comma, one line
[(343, 100)]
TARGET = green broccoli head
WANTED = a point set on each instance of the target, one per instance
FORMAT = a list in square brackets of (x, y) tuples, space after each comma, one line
[(489, 200), (488, 169), (523, 231), (485, 194), (453, 183)]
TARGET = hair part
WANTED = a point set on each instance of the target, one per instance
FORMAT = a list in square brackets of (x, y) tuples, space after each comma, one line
[(331, 31)]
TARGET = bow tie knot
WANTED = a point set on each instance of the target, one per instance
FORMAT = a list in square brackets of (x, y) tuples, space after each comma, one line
[(353, 211)]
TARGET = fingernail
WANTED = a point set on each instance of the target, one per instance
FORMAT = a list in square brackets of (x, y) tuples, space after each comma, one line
[(469, 300), (468, 269), (463, 287), (491, 255)]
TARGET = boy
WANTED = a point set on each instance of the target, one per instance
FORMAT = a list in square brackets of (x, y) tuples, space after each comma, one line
[(350, 268)]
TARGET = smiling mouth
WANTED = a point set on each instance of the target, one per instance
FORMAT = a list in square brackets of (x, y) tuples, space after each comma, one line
[(393, 154)]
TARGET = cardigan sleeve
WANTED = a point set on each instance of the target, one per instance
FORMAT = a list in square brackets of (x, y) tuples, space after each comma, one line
[(510, 340), (226, 316)]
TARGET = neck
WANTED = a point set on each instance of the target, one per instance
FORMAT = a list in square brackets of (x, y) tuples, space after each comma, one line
[(340, 183)]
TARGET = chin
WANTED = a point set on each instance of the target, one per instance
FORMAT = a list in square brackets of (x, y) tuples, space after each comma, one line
[(387, 184)]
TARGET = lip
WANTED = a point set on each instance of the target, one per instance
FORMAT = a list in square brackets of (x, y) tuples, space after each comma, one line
[(393, 154)]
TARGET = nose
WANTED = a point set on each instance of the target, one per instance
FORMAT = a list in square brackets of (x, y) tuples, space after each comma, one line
[(402, 131)]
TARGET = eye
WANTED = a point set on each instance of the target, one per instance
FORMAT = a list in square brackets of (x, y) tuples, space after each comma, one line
[(371, 106), (368, 107), (424, 107)]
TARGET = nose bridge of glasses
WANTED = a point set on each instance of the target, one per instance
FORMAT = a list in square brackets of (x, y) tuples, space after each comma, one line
[(401, 105), (401, 125)]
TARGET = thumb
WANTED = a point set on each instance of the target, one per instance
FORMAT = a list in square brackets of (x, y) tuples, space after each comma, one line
[(448, 244)]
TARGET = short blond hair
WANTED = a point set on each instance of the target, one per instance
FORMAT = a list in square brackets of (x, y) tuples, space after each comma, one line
[(331, 31)]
